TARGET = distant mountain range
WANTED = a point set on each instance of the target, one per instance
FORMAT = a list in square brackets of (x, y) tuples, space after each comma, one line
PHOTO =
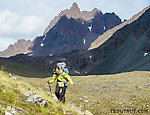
[(127, 49), (70, 30)]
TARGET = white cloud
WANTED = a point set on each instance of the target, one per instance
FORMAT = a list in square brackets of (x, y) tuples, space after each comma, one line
[(15, 26), (29, 24), (7, 20), (12, 23)]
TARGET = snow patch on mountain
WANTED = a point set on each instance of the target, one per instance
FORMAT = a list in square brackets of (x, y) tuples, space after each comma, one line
[(44, 37), (51, 54), (77, 72), (90, 28), (104, 28), (84, 41), (30, 54), (42, 44), (145, 54)]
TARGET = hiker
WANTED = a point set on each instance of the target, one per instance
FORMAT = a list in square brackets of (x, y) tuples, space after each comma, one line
[(62, 79)]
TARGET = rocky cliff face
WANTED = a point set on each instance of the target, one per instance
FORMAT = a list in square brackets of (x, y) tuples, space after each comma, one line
[(73, 30), (73, 12), (21, 47), (67, 35), (95, 16)]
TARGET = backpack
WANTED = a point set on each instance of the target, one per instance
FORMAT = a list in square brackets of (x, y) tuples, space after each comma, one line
[(62, 65), (66, 70)]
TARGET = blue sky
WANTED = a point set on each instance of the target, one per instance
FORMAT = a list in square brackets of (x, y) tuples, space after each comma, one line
[(26, 19)]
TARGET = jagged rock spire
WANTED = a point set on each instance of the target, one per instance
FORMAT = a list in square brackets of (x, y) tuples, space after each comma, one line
[(75, 7), (96, 10)]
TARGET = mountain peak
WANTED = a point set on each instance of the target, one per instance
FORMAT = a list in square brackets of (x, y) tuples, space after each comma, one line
[(96, 10), (75, 7), (76, 13)]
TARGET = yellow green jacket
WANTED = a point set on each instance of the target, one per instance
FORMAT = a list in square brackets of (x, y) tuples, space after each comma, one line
[(61, 81)]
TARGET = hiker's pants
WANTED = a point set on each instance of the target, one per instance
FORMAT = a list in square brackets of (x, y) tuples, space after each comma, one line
[(60, 93)]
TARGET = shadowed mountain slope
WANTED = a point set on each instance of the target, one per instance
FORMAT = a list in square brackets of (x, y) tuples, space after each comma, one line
[(104, 37)]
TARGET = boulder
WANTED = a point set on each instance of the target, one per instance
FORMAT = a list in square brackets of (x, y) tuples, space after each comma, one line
[(35, 99)]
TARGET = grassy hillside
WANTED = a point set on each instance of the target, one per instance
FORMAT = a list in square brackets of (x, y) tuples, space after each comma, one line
[(102, 93), (120, 91), (12, 94)]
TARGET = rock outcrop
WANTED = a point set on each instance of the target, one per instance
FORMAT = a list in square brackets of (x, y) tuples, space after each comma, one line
[(35, 99), (21, 47)]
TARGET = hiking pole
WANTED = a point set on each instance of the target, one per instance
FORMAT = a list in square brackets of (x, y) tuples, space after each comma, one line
[(50, 89)]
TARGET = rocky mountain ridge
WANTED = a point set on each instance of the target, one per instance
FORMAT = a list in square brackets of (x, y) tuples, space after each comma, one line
[(73, 30), (20, 47), (73, 12), (104, 37)]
